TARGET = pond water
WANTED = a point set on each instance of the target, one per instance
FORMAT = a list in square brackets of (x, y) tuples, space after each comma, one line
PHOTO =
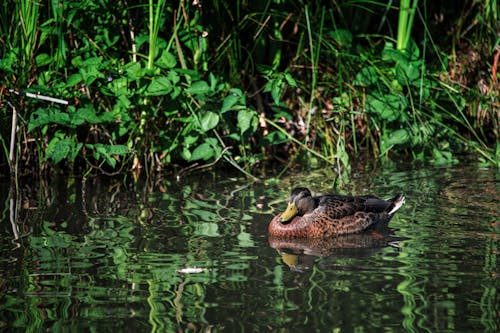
[(194, 255)]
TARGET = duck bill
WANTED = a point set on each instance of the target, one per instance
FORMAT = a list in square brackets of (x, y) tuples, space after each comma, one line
[(290, 212)]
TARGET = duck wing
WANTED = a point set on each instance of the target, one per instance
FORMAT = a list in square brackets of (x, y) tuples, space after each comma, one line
[(337, 206)]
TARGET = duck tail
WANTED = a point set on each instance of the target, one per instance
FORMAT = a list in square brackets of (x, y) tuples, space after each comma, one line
[(397, 202)]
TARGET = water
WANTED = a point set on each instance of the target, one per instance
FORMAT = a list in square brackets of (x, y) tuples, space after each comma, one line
[(194, 255)]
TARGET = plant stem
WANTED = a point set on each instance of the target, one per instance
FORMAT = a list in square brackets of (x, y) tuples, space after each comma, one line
[(13, 131)]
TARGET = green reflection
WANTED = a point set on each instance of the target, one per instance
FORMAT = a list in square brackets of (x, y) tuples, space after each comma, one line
[(196, 256)]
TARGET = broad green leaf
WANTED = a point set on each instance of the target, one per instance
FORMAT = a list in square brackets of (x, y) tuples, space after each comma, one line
[(48, 116), (186, 154), (9, 62), (93, 61), (275, 86), (107, 117), (389, 53), (209, 120), (119, 86), (406, 72), (366, 77), (247, 120), (59, 149), (43, 59), (198, 88), (388, 106), (159, 86), (398, 137), (290, 80), (90, 74), (342, 37), (213, 82), (173, 77), (86, 114), (275, 138), (190, 139), (414, 51), (229, 102), (134, 70), (167, 60), (73, 80), (107, 151), (203, 151), (215, 144)]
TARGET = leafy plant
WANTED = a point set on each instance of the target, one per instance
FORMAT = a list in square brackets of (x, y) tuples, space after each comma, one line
[(183, 86)]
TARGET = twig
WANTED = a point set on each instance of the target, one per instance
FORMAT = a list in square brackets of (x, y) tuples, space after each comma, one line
[(38, 96)]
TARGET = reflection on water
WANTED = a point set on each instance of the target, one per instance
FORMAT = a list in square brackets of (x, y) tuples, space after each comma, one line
[(194, 255), (300, 253)]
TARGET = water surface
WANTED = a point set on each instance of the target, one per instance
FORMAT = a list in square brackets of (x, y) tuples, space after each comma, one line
[(194, 255)]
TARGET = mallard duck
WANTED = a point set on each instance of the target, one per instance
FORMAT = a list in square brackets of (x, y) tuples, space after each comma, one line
[(331, 215)]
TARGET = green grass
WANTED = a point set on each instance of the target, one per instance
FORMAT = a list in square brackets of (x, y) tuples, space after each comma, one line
[(182, 86)]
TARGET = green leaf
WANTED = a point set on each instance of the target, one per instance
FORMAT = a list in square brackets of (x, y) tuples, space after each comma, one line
[(119, 86), (342, 37), (190, 139), (275, 138), (9, 62), (210, 120), (48, 116), (134, 70), (93, 61), (59, 149), (275, 86), (247, 120), (387, 106), (167, 60), (173, 77), (203, 151), (77, 61), (107, 151), (198, 88), (398, 137), (389, 53), (366, 77), (186, 154), (290, 80), (43, 59), (229, 102), (121, 150), (86, 114), (406, 72), (73, 80), (159, 86)]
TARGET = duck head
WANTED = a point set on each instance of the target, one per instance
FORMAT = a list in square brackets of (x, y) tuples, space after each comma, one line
[(301, 202)]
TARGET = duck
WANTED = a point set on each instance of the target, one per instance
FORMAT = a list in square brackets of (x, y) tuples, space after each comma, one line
[(331, 215)]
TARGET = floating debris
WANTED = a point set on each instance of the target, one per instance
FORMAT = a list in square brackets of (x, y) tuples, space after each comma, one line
[(191, 270)]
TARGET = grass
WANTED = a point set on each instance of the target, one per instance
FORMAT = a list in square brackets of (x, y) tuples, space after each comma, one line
[(185, 86)]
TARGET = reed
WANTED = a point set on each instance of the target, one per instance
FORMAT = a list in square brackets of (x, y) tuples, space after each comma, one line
[(243, 82), (156, 16), (407, 12)]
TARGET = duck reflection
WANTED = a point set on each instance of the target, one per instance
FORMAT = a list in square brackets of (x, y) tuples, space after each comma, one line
[(300, 254)]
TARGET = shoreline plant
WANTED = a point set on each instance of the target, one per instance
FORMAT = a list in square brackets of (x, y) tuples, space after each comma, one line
[(177, 87)]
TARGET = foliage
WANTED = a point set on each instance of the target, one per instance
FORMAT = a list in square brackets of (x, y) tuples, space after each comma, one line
[(162, 85)]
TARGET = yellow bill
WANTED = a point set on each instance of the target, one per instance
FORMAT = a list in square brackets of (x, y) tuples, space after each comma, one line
[(290, 212)]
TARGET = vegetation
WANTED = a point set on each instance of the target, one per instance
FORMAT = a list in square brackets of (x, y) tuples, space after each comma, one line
[(177, 87)]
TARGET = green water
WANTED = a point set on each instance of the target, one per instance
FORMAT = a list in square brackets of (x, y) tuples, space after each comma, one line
[(194, 256)]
